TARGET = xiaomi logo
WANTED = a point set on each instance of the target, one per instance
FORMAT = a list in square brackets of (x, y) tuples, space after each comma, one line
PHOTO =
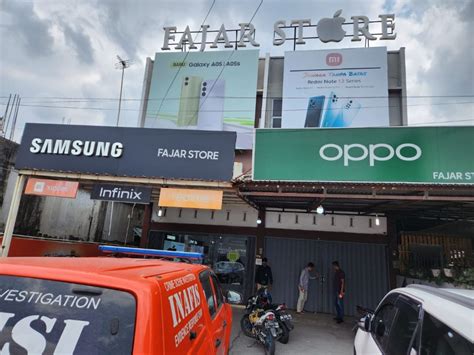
[(334, 59)]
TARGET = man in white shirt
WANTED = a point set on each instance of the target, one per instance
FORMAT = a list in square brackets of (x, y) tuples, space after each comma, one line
[(303, 286)]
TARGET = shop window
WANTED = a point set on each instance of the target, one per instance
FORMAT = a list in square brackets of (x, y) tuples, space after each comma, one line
[(276, 113)]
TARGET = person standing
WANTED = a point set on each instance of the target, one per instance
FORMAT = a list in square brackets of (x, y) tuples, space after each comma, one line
[(263, 275), (303, 286), (339, 285)]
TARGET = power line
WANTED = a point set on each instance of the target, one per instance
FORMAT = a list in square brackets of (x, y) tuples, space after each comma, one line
[(185, 57), (152, 114), (86, 99), (223, 68)]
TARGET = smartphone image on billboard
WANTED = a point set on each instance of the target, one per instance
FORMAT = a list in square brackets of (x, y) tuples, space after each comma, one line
[(211, 105), (332, 111), (349, 110), (314, 111), (189, 101)]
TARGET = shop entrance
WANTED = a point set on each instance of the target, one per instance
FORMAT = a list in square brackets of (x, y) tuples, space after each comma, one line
[(365, 266), (230, 256)]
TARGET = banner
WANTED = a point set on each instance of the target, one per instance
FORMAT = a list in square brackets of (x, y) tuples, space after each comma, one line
[(121, 151), (336, 88), (54, 188), (121, 193), (191, 198), (401, 155), (205, 90)]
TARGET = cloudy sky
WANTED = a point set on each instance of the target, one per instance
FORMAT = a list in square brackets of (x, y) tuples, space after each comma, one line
[(59, 55)]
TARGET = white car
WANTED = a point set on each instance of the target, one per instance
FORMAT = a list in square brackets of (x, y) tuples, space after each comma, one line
[(419, 320)]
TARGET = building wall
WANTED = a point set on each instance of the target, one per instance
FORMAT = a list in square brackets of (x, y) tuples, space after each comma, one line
[(246, 216)]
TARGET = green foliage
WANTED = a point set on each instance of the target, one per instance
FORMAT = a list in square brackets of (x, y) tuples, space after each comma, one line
[(465, 278)]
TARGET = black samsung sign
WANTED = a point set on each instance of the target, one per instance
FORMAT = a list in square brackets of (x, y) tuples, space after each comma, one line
[(121, 193), (135, 152)]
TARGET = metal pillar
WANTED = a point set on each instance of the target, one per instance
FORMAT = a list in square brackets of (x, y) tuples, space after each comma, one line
[(12, 214), (120, 97)]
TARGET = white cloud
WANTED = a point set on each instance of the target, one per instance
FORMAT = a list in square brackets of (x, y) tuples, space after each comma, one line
[(67, 49)]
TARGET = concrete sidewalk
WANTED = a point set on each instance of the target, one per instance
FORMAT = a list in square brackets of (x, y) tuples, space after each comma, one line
[(313, 334)]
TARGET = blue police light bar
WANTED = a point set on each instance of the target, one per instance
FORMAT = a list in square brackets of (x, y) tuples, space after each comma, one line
[(150, 252)]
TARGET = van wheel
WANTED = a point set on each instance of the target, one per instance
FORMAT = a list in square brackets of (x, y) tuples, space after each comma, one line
[(246, 326)]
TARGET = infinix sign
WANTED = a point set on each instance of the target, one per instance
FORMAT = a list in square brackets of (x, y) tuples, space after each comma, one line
[(131, 194), (330, 29), (374, 152)]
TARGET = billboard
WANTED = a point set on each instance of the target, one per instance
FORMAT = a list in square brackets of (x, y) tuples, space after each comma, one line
[(205, 90), (393, 154), (54, 188), (336, 88), (124, 151)]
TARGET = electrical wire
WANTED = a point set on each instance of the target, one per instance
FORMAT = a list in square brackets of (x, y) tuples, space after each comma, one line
[(152, 114), (220, 73), (54, 99), (185, 57)]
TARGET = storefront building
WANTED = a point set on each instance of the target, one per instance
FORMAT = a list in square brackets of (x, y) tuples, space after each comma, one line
[(299, 158)]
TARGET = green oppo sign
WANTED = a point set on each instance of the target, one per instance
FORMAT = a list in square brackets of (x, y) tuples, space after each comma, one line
[(394, 154)]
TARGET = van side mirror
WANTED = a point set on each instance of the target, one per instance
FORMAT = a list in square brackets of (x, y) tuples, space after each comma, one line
[(233, 297)]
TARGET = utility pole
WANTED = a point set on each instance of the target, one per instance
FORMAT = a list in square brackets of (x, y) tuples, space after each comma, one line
[(122, 65)]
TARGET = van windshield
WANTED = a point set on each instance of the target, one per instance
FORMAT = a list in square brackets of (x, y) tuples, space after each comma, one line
[(50, 317)]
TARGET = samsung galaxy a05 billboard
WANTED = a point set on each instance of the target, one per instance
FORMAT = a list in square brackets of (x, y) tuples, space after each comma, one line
[(205, 91), (336, 88)]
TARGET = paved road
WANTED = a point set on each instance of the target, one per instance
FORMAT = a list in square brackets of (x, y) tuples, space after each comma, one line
[(313, 334)]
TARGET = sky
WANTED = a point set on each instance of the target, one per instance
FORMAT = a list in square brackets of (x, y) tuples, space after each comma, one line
[(60, 56)]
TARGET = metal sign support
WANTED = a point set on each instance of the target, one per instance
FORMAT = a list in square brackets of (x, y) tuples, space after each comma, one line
[(12, 214)]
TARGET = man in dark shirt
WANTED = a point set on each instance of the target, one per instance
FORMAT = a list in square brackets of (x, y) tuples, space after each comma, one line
[(339, 285), (263, 275)]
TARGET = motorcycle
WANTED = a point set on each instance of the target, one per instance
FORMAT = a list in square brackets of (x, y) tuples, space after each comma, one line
[(263, 326), (260, 302)]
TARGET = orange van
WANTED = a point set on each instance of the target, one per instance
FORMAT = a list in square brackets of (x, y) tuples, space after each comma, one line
[(109, 305)]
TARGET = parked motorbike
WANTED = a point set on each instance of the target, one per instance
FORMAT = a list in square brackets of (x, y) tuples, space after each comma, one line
[(259, 304), (263, 326)]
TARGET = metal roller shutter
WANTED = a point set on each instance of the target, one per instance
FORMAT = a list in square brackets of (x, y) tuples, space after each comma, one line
[(365, 266)]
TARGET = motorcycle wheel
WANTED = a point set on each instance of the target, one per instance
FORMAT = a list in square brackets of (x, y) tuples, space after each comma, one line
[(285, 337), (246, 326), (269, 345)]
